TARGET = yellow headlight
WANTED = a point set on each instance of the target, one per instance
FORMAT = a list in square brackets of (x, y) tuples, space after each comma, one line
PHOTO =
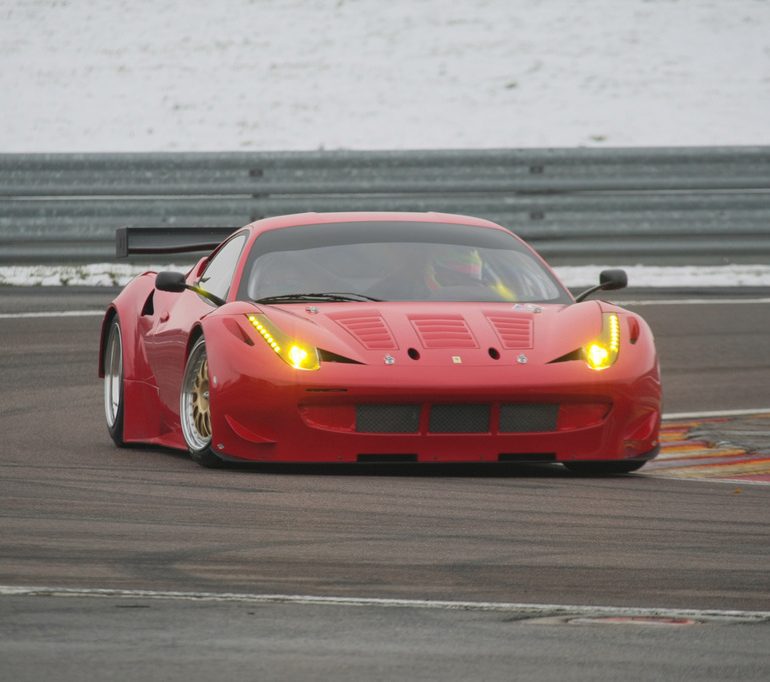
[(603, 352), (597, 356), (301, 358), (297, 355)]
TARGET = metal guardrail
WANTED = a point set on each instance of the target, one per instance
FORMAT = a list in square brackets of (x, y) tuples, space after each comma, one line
[(622, 205)]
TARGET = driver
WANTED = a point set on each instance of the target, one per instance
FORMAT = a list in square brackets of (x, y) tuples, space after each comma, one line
[(459, 266), (452, 266)]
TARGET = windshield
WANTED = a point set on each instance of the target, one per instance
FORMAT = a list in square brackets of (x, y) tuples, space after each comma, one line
[(395, 261)]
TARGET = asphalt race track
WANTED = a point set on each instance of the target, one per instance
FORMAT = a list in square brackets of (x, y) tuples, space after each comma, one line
[(690, 559)]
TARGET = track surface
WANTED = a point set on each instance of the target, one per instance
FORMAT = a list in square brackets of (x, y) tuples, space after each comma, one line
[(78, 512)]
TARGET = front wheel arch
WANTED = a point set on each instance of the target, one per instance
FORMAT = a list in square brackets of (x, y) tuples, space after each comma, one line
[(106, 322)]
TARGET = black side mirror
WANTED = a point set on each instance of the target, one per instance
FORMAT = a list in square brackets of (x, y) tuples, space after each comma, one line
[(613, 279), (608, 281), (175, 282), (170, 281)]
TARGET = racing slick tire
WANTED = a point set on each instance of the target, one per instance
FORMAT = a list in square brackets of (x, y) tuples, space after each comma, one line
[(195, 407), (599, 468), (113, 382)]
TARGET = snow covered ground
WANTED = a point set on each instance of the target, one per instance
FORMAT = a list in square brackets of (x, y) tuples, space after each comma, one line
[(194, 75), (111, 274), (100, 75)]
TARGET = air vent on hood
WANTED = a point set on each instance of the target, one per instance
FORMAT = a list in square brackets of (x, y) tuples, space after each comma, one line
[(368, 328), (443, 331), (514, 331)]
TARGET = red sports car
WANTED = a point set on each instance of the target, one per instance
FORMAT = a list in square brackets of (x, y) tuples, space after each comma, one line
[(375, 337)]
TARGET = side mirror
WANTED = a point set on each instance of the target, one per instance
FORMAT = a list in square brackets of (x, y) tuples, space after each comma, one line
[(613, 279), (175, 282), (608, 281), (170, 281)]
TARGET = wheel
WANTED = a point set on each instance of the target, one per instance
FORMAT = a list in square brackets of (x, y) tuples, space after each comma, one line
[(615, 467), (195, 407), (113, 382)]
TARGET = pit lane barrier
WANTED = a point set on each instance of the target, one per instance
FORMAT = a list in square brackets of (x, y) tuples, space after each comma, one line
[(685, 205)]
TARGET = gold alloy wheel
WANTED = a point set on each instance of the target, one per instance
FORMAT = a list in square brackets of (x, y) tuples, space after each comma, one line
[(195, 402), (200, 400)]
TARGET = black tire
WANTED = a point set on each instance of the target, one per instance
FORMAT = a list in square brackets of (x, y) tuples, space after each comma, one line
[(195, 408), (112, 367), (604, 468)]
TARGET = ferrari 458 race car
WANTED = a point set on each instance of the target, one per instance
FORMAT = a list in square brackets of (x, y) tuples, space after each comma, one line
[(375, 337)]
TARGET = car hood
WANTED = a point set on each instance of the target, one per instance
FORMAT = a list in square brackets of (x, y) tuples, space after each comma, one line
[(441, 333)]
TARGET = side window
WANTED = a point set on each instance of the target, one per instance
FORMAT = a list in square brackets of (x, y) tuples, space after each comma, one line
[(218, 275)]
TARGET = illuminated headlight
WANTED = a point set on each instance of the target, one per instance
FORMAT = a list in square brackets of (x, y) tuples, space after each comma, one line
[(603, 352), (294, 353)]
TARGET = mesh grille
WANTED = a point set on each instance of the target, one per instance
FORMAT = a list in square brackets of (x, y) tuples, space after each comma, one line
[(459, 419), (527, 418), (387, 418)]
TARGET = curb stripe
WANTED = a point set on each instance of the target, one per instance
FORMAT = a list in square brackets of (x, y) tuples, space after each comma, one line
[(684, 457)]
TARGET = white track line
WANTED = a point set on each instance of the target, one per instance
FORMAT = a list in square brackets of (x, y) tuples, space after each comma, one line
[(695, 301), (53, 313), (676, 415), (715, 413), (520, 608), (682, 301)]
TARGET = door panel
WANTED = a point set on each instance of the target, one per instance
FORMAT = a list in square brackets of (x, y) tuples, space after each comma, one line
[(166, 341)]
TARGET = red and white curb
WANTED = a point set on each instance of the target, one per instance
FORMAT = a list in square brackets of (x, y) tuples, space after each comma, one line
[(687, 456)]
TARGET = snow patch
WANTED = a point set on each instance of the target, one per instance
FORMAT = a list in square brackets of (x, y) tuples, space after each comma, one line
[(164, 75), (671, 276), (95, 275), (109, 274)]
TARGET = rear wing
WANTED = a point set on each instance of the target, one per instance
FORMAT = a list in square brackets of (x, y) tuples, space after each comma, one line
[(131, 240)]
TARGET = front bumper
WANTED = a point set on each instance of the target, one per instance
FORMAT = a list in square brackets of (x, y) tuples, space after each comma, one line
[(313, 416)]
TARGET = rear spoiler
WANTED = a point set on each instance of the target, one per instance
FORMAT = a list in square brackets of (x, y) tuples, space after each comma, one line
[(130, 240)]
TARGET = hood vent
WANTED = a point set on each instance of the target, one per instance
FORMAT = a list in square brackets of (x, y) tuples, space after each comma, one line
[(443, 331), (514, 331), (368, 328)]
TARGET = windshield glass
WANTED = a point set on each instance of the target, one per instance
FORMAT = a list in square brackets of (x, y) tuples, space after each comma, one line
[(397, 261)]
